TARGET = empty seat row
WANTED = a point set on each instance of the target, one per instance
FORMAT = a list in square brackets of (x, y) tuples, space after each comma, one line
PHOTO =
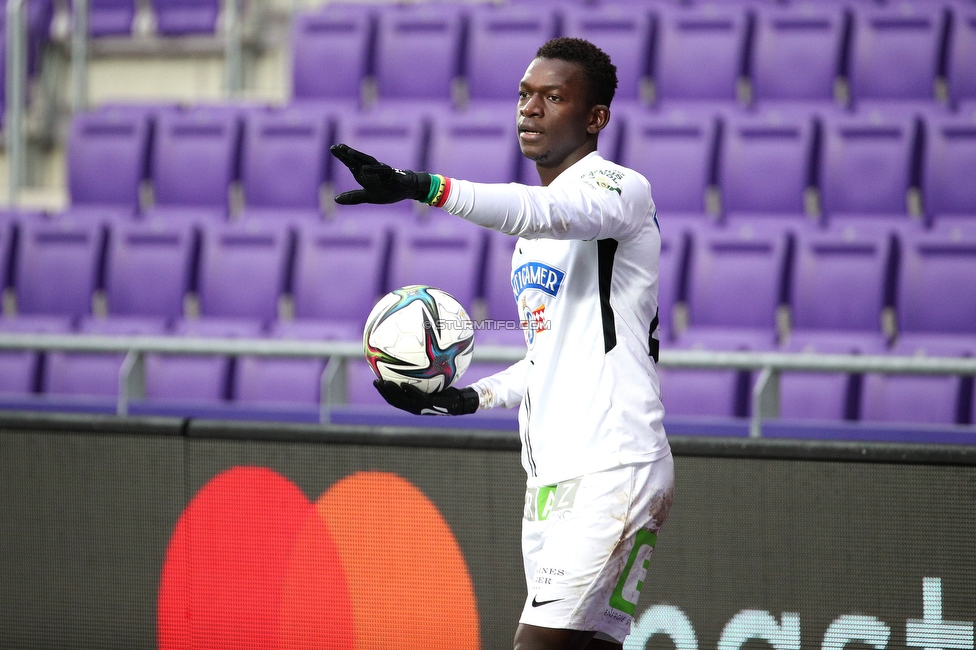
[(898, 160), (172, 17), (775, 276), (798, 51)]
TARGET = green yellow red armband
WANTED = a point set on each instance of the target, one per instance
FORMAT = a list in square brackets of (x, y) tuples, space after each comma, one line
[(440, 189)]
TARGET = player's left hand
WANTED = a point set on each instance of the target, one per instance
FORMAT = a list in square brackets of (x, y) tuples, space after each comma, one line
[(381, 183), (450, 401)]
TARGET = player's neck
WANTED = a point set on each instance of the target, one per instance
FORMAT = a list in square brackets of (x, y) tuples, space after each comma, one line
[(548, 174)]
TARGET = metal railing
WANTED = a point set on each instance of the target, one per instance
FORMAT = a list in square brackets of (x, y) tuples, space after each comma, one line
[(765, 391)]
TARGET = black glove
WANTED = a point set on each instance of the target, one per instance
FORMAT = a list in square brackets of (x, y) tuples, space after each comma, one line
[(450, 401), (381, 183)]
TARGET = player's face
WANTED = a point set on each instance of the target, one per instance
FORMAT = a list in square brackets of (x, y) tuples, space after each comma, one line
[(557, 124)]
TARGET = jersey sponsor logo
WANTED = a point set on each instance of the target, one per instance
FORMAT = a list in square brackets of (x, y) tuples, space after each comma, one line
[(536, 275), (628, 589), (550, 500), (608, 179)]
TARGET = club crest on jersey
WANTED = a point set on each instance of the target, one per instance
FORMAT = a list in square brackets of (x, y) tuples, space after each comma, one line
[(608, 179), (533, 322), (536, 275)]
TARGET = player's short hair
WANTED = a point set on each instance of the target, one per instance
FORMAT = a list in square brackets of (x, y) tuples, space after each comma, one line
[(599, 72)]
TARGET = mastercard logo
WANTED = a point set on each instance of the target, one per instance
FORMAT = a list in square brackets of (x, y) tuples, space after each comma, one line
[(371, 564)]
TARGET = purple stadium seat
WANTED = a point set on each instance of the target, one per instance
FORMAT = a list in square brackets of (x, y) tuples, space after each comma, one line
[(961, 65), (866, 164), (69, 373), (195, 158), (284, 158), (288, 381), (895, 51), (360, 385), (675, 153), (674, 249), (179, 17), (339, 271), (807, 38), (499, 299), (20, 370), (700, 52), (421, 255), (107, 158), (955, 227), (765, 162), (330, 52), (393, 137), (840, 282), (819, 395), (716, 393), (111, 17), (477, 145), (735, 279), (148, 268), (58, 267), (197, 378), (937, 284), (949, 166), (418, 51), (502, 41), (912, 398), (623, 32), (243, 269)]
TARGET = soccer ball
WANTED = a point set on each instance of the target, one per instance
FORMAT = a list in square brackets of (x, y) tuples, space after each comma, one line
[(419, 335)]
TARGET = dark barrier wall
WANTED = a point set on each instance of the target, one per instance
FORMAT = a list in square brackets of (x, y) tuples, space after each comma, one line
[(133, 533)]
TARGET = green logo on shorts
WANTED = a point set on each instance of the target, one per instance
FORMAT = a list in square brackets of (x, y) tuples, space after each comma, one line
[(627, 591)]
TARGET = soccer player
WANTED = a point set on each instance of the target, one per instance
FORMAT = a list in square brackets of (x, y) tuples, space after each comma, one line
[(585, 276)]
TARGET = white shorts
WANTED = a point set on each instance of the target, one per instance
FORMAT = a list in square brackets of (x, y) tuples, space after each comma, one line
[(586, 543)]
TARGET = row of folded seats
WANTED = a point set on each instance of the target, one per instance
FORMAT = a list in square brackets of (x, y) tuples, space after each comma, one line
[(748, 283), (217, 162), (664, 51)]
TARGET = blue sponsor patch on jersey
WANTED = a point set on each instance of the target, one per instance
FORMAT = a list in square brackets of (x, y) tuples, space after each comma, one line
[(536, 275)]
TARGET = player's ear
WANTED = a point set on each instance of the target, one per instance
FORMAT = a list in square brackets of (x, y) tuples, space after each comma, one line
[(599, 117)]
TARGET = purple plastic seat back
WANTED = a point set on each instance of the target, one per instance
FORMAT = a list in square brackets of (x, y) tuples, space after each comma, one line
[(949, 166), (330, 52), (409, 39), (499, 299), (961, 65), (177, 17), (197, 378), (195, 157), (394, 138), (955, 227), (8, 223), (339, 271), (107, 157), (866, 164), (736, 279), (808, 38), (283, 160), (288, 381), (716, 393), (421, 255), (491, 133), (840, 282), (894, 51), (766, 162), (937, 284), (111, 17), (501, 43), (913, 398), (20, 370), (623, 32), (675, 153), (821, 395), (674, 246), (700, 52), (148, 268), (95, 374), (243, 269), (57, 267)]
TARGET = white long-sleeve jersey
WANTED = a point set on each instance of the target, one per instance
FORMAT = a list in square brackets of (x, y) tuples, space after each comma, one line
[(585, 277)]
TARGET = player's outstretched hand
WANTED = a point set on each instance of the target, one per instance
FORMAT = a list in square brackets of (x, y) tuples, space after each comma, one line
[(450, 401), (381, 183)]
